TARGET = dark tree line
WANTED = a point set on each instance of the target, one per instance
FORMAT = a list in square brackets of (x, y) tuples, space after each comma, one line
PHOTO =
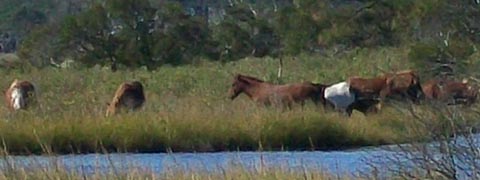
[(150, 34)]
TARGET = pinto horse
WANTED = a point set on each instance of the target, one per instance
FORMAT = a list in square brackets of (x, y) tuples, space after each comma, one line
[(344, 99), (20, 95), (271, 94), (129, 95)]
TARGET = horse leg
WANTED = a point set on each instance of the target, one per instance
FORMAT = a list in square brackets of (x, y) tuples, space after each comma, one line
[(289, 105), (349, 110), (302, 105)]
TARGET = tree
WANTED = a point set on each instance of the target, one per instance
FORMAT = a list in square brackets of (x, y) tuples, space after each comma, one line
[(243, 32), (135, 34), (92, 35), (297, 30)]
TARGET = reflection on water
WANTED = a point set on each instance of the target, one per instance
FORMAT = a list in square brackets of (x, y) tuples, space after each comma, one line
[(350, 162), (464, 151)]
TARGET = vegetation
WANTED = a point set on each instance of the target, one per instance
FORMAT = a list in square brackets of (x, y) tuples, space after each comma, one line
[(188, 110), (186, 53), (150, 34), (139, 174), (452, 153)]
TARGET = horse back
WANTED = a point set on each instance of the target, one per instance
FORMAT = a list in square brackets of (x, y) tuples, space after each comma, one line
[(431, 89), (128, 95), (367, 85), (402, 81)]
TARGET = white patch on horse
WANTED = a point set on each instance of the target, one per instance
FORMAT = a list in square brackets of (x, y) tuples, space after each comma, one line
[(339, 95), (17, 99)]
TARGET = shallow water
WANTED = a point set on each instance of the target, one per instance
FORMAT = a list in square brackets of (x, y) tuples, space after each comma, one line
[(353, 162), (335, 162)]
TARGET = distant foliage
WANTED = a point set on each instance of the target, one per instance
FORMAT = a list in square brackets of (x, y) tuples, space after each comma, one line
[(297, 30), (135, 34), (41, 46), (150, 34), (442, 57), (243, 33)]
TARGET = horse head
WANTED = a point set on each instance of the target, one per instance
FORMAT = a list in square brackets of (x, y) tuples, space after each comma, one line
[(237, 87), (415, 90)]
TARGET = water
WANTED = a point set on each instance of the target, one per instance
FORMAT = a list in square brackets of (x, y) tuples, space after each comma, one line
[(353, 162), (336, 162)]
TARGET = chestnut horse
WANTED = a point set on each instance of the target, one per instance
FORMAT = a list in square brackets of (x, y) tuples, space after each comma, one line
[(450, 91), (405, 84), (129, 95), (271, 94), (20, 95)]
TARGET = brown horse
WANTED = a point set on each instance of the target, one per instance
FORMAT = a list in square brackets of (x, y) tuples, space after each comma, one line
[(20, 95), (270, 94), (405, 84), (129, 95), (450, 91)]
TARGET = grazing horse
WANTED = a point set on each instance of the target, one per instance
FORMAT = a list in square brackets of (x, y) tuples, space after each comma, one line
[(129, 95), (20, 95), (344, 98), (450, 91), (270, 94), (405, 84)]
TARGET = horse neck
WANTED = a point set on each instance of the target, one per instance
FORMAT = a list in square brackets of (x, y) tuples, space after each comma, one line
[(14, 83), (252, 87)]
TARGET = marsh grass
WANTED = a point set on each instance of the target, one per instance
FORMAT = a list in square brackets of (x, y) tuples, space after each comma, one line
[(187, 109)]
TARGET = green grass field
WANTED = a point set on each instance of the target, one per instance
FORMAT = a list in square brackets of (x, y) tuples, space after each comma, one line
[(187, 109)]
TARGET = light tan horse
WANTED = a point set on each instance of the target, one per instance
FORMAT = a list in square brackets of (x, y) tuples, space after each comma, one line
[(129, 96)]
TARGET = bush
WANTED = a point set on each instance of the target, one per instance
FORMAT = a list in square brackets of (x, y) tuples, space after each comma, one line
[(447, 57)]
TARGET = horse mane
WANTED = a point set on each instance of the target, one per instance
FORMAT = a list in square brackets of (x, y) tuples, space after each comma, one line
[(319, 85), (406, 71), (14, 83), (249, 78), (119, 93)]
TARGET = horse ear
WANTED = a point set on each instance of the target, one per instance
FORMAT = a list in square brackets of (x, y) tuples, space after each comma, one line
[(237, 76), (242, 79), (415, 80)]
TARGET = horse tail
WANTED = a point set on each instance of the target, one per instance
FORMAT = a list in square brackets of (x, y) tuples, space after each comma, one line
[(318, 93), (319, 88)]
